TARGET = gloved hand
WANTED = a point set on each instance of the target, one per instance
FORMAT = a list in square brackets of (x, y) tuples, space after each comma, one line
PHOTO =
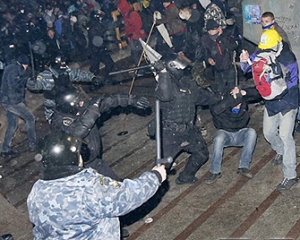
[(98, 81), (30, 83), (162, 171), (159, 65), (140, 102), (96, 101)]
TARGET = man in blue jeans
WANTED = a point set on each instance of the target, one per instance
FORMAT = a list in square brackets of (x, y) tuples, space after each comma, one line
[(280, 112), (12, 95), (231, 117)]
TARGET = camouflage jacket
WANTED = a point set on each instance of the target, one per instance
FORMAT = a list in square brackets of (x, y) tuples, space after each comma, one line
[(86, 205), (214, 12), (45, 82)]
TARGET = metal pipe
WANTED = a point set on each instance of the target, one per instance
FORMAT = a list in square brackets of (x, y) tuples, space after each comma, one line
[(130, 69)]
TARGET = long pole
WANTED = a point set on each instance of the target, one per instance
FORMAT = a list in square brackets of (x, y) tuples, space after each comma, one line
[(235, 68), (123, 132), (32, 60)]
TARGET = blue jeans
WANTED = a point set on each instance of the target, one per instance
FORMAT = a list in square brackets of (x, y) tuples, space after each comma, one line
[(13, 112), (278, 131), (245, 138)]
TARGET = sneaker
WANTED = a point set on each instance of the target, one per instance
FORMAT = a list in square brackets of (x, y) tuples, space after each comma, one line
[(10, 154), (287, 184), (277, 160), (244, 172), (187, 181), (213, 177)]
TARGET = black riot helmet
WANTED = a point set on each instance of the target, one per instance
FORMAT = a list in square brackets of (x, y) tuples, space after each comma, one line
[(175, 64), (67, 100), (59, 149)]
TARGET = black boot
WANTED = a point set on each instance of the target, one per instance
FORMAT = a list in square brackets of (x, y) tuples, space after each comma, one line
[(187, 176), (6, 237), (124, 233)]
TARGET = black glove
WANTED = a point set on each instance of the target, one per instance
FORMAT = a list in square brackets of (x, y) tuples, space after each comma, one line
[(96, 101), (98, 81), (140, 102), (30, 83), (159, 65)]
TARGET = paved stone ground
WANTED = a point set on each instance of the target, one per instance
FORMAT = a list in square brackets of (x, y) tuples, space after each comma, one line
[(234, 207)]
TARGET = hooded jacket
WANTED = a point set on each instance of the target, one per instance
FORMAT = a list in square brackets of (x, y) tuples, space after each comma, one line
[(133, 22), (13, 83)]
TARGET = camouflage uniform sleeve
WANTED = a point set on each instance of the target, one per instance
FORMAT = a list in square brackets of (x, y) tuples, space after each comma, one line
[(78, 75), (44, 81), (118, 198)]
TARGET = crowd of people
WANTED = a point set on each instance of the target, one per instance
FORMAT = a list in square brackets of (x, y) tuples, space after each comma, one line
[(50, 34)]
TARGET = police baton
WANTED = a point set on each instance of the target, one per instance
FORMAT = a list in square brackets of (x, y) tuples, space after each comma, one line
[(159, 160)]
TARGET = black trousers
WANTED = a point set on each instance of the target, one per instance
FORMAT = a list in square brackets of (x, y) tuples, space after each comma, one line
[(103, 56), (189, 140)]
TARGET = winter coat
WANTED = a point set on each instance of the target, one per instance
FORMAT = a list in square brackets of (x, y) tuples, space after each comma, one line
[(86, 205), (221, 50), (192, 46), (133, 22), (225, 119), (290, 100), (13, 84), (172, 21)]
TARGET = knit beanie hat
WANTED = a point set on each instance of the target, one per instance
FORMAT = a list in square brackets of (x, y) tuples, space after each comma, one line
[(23, 59)]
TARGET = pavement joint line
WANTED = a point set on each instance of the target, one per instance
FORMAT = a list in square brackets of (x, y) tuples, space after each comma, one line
[(294, 233), (240, 231), (182, 195), (222, 199)]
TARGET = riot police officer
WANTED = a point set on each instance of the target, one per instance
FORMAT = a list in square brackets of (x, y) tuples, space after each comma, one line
[(179, 94), (76, 114), (55, 77), (68, 198)]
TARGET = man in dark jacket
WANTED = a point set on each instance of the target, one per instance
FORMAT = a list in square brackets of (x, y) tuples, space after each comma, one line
[(98, 27), (178, 95), (12, 95), (218, 46), (231, 118), (192, 47), (77, 115)]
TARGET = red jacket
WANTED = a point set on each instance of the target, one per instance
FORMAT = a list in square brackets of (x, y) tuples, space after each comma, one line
[(133, 22)]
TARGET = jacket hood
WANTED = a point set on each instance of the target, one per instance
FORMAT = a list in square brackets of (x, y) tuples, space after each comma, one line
[(124, 7)]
